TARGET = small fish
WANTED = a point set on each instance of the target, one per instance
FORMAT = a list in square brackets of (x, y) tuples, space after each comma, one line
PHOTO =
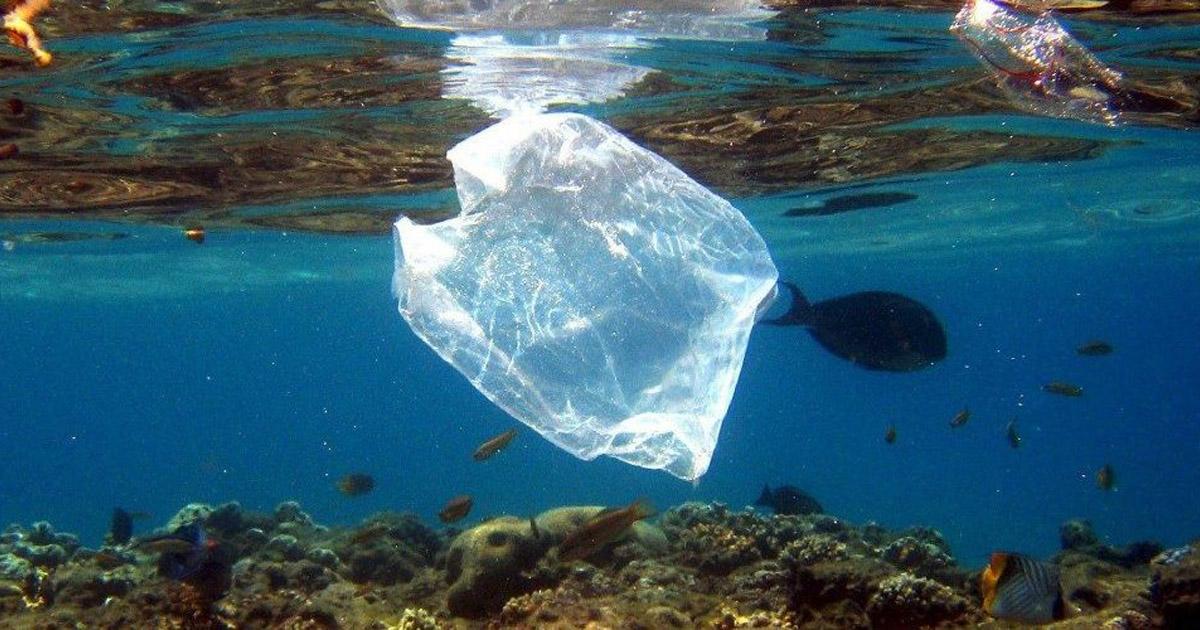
[(8, 150), (603, 528), (493, 446), (120, 528), (356, 484), (847, 203), (370, 532), (875, 330), (788, 500), (108, 560), (184, 562), (1019, 588), (890, 436), (1063, 389), (1094, 348), (195, 234), (181, 552), (1106, 478), (456, 509), (537, 533), (1014, 438), (960, 418)]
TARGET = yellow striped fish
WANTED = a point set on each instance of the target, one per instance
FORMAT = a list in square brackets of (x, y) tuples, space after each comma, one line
[(1020, 588)]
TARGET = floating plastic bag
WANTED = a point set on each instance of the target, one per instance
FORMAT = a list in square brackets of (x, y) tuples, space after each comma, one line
[(537, 53), (698, 19), (590, 289), (1037, 63), (505, 78)]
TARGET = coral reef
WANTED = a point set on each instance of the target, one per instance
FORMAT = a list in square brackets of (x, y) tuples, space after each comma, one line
[(702, 565)]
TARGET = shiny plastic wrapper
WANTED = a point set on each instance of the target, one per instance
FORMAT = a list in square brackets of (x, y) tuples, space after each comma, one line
[(1038, 64), (700, 19), (590, 289), (505, 78)]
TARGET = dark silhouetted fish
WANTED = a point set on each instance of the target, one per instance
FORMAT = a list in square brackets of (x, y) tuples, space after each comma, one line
[(182, 552), (847, 203), (603, 528), (788, 500), (1010, 432), (890, 435), (493, 446), (875, 330), (1063, 389), (1094, 348), (1106, 478), (456, 509), (960, 418), (356, 484), (1019, 588), (120, 529)]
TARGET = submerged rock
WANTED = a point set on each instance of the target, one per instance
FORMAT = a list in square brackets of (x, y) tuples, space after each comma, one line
[(708, 566)]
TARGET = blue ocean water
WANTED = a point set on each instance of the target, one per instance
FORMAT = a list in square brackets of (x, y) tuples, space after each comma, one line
[(147, 372)]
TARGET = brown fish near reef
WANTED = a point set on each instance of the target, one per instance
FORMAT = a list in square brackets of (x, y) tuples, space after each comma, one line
[(108, 561), (456, 509), (494, 445), (1063, 389), (369, 532), (601, 529), (1019, 588), (1014, 438), (1106, 478), (890, 436), (195, 234), (9, 150), (356, 484), (1094, 348), (960, 418)]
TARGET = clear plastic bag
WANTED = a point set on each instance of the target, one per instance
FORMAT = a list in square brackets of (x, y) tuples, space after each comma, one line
[(1038, 64), (700, 19), (590, 289)]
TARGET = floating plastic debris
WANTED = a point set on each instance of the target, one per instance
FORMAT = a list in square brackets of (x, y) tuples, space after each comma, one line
[(590, 289), (537, 53), (505, 78), (1038, 64), (18, 25), (698, 19)]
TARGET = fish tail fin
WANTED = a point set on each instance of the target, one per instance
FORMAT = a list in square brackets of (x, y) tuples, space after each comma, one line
[(765, 498), (642, 508), (800, 313)]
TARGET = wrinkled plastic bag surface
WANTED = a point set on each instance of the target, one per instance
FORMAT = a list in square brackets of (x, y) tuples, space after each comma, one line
[(590, 289), (1037, 63), (505, 78), (535, 53), (699, 19)]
